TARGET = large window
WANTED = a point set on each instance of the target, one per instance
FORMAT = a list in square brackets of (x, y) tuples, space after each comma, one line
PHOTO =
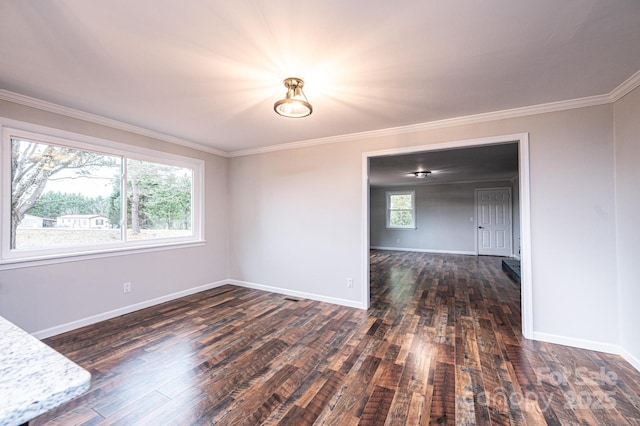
[(401, 209), (63, 197)]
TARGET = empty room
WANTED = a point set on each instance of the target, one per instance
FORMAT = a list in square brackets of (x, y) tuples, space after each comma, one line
[(330, 213)]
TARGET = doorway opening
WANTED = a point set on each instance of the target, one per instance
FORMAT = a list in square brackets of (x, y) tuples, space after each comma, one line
[(520, 240)]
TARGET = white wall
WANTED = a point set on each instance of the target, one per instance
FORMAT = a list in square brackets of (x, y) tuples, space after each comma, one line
[(627, 128), (295, 221), (49, 296), (443, 218), (296, 218)]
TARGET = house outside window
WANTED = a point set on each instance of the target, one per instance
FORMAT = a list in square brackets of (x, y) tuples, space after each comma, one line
[(401, 209), (93, 197)]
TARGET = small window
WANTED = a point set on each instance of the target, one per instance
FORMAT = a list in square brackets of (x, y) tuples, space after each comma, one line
[(401, 209)]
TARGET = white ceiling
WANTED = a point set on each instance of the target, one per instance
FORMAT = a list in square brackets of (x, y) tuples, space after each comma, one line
[(209, 72)]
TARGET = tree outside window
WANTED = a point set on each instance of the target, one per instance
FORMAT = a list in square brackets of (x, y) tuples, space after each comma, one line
[(401, 209), (64, 195)]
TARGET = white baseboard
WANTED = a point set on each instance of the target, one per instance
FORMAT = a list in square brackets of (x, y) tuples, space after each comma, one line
[(301, 294), (591, 345), (544, 337), (63, 328), (631, 359), (471, 253)]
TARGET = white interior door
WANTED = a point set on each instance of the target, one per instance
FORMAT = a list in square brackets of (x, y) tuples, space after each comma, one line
[(493, 217)]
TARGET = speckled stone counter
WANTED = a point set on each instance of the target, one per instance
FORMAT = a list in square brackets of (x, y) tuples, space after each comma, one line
[(33, 377)]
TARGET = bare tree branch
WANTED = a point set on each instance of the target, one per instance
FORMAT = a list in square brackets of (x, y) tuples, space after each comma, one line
[(33, 164)]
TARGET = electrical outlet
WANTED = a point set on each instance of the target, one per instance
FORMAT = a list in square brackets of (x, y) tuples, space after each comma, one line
[(126, 288), (350, 282)]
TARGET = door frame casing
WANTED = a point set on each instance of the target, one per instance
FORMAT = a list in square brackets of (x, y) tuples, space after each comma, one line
[(522, 139), (477, 217)]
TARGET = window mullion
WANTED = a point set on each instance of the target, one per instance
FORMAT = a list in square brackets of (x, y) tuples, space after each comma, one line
[(123, 201)]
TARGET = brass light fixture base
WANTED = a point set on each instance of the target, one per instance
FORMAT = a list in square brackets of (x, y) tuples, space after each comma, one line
[(295, 103)]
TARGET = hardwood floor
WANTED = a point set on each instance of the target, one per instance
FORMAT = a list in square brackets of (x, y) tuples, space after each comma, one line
[(441, 344)]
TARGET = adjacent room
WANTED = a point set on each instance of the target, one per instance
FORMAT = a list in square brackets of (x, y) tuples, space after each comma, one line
[(279, 212), (444, 185)]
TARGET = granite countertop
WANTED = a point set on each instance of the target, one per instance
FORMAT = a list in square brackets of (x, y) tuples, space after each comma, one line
[(33, 377)]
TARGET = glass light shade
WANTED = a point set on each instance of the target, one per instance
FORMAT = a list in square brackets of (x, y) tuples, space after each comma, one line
[(295, 103)]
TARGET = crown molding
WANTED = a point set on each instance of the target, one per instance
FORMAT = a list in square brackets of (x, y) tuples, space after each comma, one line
[(616, 94), (627, 86), (103, 121), (449, 122)]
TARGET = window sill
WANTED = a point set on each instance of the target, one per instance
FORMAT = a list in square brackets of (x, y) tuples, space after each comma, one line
[(93, 254)]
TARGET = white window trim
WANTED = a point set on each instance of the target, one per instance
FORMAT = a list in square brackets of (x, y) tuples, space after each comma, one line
[(19, 258), (388, 195)]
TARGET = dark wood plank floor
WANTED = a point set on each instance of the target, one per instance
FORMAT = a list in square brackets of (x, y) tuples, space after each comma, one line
[(441, 344)]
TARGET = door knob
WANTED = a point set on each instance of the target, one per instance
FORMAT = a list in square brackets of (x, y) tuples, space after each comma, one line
[(480, 227)]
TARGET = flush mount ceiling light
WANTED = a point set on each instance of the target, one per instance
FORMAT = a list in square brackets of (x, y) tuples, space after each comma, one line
[(294, 104), (422, 175)]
